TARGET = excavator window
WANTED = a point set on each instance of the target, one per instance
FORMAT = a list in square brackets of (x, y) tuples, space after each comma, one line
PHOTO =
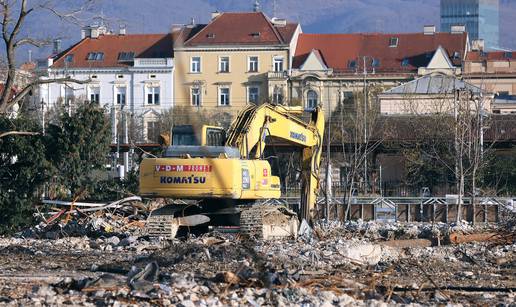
[(184, 135), (215, 137)]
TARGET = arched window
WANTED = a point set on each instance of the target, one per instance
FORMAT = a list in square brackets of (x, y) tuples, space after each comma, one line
[(312, 100)]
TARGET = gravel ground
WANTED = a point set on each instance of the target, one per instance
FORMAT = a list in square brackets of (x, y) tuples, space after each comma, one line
[(337, 265)]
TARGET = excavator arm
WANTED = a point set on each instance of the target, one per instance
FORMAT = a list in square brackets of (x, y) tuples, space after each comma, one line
[(255, 123)]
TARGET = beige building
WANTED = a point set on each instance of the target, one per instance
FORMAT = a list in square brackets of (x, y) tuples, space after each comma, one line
[(494, 72), (333, 68), (431, 94), (236, 59)]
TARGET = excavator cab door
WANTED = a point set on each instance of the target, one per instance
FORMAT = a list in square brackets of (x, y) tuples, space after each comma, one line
[(213, 136)]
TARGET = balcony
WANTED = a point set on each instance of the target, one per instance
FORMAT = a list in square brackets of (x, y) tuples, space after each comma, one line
[(277, 75), (153, 62)]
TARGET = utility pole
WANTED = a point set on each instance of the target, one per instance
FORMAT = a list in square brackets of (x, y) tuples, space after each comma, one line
[(365, 125), (328, 164), (43, 115)]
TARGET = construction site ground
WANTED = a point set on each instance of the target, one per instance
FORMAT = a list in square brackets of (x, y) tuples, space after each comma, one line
[(332, 264)]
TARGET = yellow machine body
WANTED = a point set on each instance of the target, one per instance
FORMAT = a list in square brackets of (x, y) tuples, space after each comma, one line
[(204, 178)]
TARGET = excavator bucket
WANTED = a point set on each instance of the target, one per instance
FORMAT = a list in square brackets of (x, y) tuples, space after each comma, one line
[(269, 222)]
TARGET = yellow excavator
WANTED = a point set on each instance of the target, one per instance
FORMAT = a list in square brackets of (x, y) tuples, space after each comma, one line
[(223, 179)]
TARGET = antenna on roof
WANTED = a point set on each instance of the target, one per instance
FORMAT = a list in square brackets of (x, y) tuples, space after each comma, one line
[(256, 6), (274, 8)]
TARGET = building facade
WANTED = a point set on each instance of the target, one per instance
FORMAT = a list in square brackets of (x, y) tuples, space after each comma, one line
[(333, 69), (131, 74), (481, 18), (496, 73), (234, 60)]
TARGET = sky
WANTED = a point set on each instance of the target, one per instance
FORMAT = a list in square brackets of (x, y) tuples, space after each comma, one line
[(315, 16)]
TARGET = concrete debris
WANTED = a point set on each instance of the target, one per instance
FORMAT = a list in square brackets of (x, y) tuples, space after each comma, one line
[(349, 264)]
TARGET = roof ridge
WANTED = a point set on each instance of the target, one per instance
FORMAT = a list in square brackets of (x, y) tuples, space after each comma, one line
[(70, 49), (203, 29), (274, 30)]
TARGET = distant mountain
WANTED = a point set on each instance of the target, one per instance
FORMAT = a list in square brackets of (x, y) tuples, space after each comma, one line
[(315, 16)]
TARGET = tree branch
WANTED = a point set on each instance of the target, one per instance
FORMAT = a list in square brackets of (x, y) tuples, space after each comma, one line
[(3, 134), (26, 90)]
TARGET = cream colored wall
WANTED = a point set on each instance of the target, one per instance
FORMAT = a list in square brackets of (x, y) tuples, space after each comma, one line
[(237, 79), (495, 85), (390, 105)]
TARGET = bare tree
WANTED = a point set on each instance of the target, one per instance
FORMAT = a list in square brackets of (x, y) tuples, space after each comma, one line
[(14, 15)]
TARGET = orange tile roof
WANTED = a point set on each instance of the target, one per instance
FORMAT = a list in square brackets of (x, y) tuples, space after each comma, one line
[(247, 28), (491, 56), (338, 50), (143, 45)]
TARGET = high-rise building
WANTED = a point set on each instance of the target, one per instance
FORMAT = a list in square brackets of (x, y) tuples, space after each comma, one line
[(481, 18)]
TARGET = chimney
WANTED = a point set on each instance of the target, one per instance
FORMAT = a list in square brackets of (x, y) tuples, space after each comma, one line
[(429, 30), (458, 29), (57, 46), (122, 30), (215, 14), (477, 45), (279, 22), (176, 27)]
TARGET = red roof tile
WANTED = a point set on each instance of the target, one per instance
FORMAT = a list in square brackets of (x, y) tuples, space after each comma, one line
[(143, 45), (252, 28), (338, 50), (491, 56)]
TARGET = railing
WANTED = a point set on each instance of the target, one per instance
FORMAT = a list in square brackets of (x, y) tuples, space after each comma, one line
[(153, 62), (277, 74)]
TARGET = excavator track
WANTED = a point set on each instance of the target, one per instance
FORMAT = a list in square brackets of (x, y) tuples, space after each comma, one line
[(267, 222)]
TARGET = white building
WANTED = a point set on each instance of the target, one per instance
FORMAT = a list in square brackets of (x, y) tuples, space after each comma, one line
[(134, 73)]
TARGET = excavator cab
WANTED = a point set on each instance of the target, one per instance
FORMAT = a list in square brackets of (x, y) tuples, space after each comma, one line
[(187, 135)]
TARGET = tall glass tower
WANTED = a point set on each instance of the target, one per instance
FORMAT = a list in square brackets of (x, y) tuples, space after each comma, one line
[(481, 18)]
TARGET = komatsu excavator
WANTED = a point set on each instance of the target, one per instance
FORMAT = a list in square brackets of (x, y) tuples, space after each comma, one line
[(224, 180)]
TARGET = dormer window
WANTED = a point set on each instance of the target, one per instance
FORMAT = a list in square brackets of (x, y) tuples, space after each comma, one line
[(69, 58), (352, 64), (456, 55), (483, 54), (95, 56), (405, 62), (210, 35), (393, 42), (255, 34), (508, 55), (376, 62), (126, 56)]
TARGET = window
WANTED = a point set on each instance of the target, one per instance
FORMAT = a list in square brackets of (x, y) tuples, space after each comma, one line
[(312, 100), (224, 96), (393, 42), (153, 95), (69, 94), (376, 62), (196, 96), (69, 58), (224, 64), (152, 76), (195, 64), (126, 56), (153, 131), (253, 94), (95, 56), (120, 95), (508, 55), (119, 76), (253, 64), (456, 55), (278, 64), (347, 97), (352, 64), (95, 95), (277, 95), (405, 62)]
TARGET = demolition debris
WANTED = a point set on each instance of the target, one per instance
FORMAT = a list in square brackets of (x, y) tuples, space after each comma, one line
[(97, 254)]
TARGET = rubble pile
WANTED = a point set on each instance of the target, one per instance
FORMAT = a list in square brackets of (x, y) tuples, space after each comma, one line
[(353, 264)]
